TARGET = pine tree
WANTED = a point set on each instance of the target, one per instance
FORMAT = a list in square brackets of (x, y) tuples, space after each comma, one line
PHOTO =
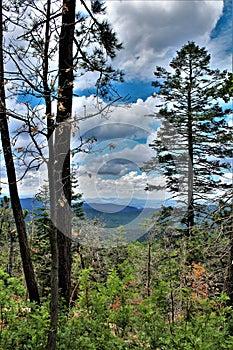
[(77, 201), (8, 235), (194, 140)]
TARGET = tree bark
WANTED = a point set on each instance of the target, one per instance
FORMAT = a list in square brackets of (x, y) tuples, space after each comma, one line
[(54, 303), (148, 268), (190, 156), (228, 280), (11, 175), (62, 145), (228, 283)]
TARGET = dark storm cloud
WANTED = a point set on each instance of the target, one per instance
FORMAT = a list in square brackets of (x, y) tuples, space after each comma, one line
[(117, 130), (117, 167)]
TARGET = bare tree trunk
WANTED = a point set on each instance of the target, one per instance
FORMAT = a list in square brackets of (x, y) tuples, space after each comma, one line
[(228, 280), (149, 268), (62, 144), (11, 250), (190, 161), (54, 304), (11, 175)]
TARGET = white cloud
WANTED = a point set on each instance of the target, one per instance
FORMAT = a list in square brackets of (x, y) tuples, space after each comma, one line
[(135, 116), (153, 30), (135, 156), (124, 188), (124, 129), (27, 187)]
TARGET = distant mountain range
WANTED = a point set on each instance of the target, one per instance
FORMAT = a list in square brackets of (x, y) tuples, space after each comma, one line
[(30, 203), (113, 215), (111, 208), (133, 202), (106, 208), (110, 215)]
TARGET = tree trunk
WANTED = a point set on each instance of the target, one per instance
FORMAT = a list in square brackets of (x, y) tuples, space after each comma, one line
[(228, 281), (148, 268), (11, 175), (54, 304), (11, 250), (190, 157), (62, 144)]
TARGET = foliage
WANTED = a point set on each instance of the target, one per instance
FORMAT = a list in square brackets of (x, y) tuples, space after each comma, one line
[(7, 232), (110, 308), (115, 315), (23, 325), (195, 138)]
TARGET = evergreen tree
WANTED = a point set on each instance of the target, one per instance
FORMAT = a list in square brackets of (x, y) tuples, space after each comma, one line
[(42, 226), (77, 202), (40, 239), (194, 140), (8, 235)]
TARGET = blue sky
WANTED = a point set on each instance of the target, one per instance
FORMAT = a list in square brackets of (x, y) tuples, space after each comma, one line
[(151, 32)]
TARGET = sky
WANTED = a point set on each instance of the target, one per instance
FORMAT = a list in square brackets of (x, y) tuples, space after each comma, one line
[(151, 33)]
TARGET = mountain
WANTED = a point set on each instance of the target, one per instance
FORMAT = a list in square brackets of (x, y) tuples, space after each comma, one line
[(133, 202), (110, 215), (113, 215), (30, 203), (110, 207)]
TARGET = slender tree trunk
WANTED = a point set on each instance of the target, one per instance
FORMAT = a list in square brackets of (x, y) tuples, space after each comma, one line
[(54, 304), (11, 250), (62, 144), (228, 281), (148, 268), (190, 159), (11, 175)]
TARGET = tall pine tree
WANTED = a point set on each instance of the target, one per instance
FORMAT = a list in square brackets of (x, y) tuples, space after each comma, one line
[(194, 140)]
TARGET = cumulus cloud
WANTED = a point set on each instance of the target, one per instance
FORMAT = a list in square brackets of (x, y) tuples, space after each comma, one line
[(220, 43), (121, 121), (117, 166), (27, 187), (131, 157), (153, 30), (122, 189)]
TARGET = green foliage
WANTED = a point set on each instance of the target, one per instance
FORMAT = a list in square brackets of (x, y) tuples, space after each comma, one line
[(77, 202), (110, 307), (118, 315), (195, 138), (227, 90), (40, 240), (23, 325), (8, 238)]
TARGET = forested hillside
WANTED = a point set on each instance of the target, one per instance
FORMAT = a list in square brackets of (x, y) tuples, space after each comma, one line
[(101, 275), (164, 293)]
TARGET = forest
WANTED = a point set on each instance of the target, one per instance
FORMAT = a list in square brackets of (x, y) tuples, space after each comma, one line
[(64, 284)]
